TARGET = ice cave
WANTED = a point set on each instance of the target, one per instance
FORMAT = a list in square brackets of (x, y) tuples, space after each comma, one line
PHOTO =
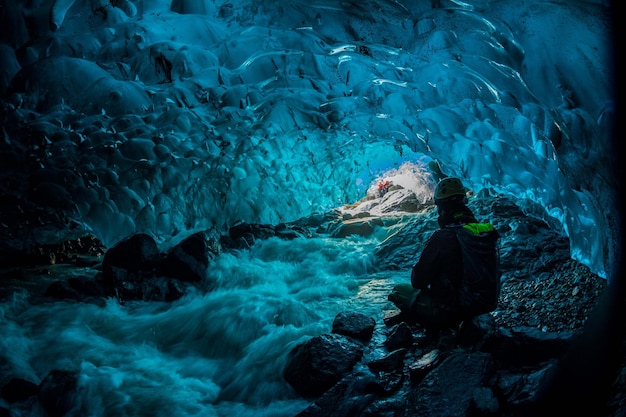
[(169, 117)]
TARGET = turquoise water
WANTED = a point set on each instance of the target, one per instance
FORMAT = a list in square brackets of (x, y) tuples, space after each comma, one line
[(217, 353)]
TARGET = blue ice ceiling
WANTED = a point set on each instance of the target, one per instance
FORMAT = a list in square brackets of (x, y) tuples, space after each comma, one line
[(170, 116)]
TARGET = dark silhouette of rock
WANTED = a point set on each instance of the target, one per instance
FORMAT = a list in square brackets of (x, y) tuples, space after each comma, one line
[(392, 362), (130, 272), (399, 337), (188, 261), (129, 260), (426, 363), (349, 397), (481, 371), (244, 235), (316, 365), (58, 393), (440, 393), (355, 325), (18, 389)]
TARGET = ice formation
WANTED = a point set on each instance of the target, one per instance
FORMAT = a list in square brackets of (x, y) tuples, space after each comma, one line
[(170, 116)]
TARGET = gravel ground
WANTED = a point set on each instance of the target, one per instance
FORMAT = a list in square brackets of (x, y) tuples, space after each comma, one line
[(554, 302)]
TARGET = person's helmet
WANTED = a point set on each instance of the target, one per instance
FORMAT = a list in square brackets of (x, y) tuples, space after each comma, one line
[(449, 187)]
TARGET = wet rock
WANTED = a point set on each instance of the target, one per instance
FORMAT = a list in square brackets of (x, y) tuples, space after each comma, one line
[(83, 251), (349, 397), (130, 270), (487, 371), (399, 337), (316, 365), (188, 261), (355, 325), (473, 333), (361, 227), (244, 235), (132, 256), (441, 392), (421, 367), (392, 362)]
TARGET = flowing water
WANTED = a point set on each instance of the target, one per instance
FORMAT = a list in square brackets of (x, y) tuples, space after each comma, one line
[(210, 353)]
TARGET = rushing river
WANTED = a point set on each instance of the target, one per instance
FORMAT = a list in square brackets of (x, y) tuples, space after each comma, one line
[(211, 353)]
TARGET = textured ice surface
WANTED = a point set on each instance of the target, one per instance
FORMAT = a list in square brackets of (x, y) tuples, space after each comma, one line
[(164, 117)]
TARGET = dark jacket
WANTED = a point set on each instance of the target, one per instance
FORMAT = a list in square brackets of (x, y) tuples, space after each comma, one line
[(440, 265)]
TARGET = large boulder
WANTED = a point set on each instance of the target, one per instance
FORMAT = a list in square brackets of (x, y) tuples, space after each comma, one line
[(188, 261), (129, 272), (441, 394), (319, 363)]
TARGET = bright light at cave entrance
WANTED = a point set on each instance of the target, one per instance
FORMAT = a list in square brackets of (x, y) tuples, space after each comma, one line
[(410, 177)]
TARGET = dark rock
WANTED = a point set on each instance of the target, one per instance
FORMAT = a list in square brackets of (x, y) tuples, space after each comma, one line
[(424, 365), (86, 286), (401, 250), (316, 365), (129, 260), (85, 249), (188, 261), (361, 227), (18, 389), (392, 362), (130, 270), (244, 235), (136, 253), (153, 289), (460, 381), (61, 290), (483, 403), (393, 317), (390, 382), (355, 325), (291, 231), (401, 336), (526, 345), (75, 288), (472, 333), (349, 397), (58, 393), (173, 290), (518, 389), (440, 393), (446, 339), (318, 221)]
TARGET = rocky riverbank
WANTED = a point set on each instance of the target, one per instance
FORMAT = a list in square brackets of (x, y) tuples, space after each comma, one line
[(500, 364)]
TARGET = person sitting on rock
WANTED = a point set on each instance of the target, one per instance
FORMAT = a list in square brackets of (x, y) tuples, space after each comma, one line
[(457, 275)]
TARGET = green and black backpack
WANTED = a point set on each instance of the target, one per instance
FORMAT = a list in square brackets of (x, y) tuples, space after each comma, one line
[(481, 263)]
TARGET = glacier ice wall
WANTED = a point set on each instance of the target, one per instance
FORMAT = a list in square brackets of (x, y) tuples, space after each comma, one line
[(168, 116)]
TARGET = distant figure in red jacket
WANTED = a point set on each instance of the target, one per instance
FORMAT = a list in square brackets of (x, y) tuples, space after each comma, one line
[(457, 275), (383, 187)]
